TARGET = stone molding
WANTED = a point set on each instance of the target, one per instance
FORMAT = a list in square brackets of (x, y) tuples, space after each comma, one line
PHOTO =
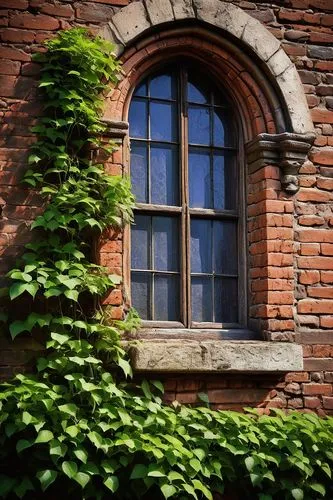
[(117, 130), (287, 150), (215, 356), (137, 18)]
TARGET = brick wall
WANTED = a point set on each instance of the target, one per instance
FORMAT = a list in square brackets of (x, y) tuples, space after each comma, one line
[(299, 289)]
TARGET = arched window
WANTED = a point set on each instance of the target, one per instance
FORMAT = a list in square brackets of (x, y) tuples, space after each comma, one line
[(186, 242)]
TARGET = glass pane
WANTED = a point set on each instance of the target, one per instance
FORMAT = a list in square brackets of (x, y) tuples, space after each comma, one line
[(141, 90), (225, 247), (164, 175), (166, 298), (139, 166), (162, 86), (163, 121), (225, 191), (200, 185), (198, 125), (222, 129), (195, 92), (140, 290), (202, 303), (166, 243), (140, 242), (226, 300), (138, 119), (201, 246)]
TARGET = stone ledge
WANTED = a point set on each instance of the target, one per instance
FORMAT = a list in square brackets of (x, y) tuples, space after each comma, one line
[(215, 356)]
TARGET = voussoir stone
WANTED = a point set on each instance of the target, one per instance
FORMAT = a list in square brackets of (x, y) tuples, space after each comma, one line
[(108, 34), (183, 9), (159, 11), (279, 62), (260, 39), (223, 15), (216, 356), (130, 22)]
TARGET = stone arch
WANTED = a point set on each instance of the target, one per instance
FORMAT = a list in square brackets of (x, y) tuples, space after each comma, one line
[(140, 18)]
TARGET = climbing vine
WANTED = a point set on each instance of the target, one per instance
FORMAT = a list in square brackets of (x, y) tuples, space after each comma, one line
[(76, 428)]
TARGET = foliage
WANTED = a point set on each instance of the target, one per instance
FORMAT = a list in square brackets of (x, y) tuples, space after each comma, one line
[(73, 426)]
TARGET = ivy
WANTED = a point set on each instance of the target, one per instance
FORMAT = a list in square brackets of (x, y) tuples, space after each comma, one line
[(76, 428)]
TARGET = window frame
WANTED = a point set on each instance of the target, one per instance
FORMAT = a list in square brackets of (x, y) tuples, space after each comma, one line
[(185, 213)]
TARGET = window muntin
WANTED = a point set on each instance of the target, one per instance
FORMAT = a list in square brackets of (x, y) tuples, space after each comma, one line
[(184, 172)]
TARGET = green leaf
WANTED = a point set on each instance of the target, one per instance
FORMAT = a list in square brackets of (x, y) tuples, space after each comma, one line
[(126, 367), (112, 483), (44, 437), (297, 494), (250, 463), (27, 418), (70, 469), (81, 454), (139, 471), (16, 290), (60, 338), (72, 295), (22, 444), (319, 488), (46, 477), (68, 408), (168, 490), (82, 478)]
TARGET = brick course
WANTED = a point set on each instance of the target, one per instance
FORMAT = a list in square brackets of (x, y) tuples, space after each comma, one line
[(290, 237)]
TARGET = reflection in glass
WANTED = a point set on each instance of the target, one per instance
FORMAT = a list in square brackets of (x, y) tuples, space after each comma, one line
[(199, 179), (139, 171), (166, 245), (164, 175), (141, 90), (226, 300), (138, 119), (140, 242), (166, 298), (201, 246), (201, 292), (195, 92), (225, 247), (198, 125), (140, 291), (162, 86), (163, 121)]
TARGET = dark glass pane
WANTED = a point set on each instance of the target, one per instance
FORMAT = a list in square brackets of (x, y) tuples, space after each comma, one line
[(201, 246), (138, 119), (198, 125), (196, 92), (163, 121), (139, 168), (140, 291), (166, 243), (164, 175), (223, 129), (166, 298), (140, 242), (162, 86), (200, 185), (141, 90), (226, 300), (202, 300), (225, 247), (224, 184)]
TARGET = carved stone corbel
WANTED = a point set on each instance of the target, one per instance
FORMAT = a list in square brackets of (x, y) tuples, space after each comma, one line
[(116, 130), (287, 150)]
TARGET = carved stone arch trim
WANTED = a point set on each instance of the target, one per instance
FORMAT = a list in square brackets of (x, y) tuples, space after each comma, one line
[(138, 18)]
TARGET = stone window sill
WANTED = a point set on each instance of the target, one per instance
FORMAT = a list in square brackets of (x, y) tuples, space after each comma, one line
[(212, 356)]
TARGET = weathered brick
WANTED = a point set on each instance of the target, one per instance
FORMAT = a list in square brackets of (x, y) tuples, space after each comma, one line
[(87, 11), (14, 54), (57, 10), (321, 292), (31, 21), (312, 402), (328, 402), (326, 322), (315, 235), (14, 4), (17, 36), (315, 306), (316, 389)]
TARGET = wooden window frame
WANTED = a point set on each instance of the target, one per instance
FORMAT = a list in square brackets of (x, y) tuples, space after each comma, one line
[(185, 212)]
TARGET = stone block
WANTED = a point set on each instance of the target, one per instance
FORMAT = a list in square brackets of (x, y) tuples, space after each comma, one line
[(215, 356), (130, 22), (182, 9), (279, 62), (159, 11), (260, 39), (223, 15)]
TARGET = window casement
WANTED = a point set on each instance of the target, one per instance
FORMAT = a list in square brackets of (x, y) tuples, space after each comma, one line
[(187, 240)]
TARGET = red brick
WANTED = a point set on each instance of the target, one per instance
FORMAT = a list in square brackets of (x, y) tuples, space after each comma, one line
[(325, 292), (57, 10), (327, 20), (316, 389), (275, 297), (14, 54), (310, 249), (117, 312), (322, 351), (14, 4), (115, 298), (311, 220), (9, 67), (326, 248), (315, 263), (328, 403), (17, 36), (315, 306), (297, 377), (326, 276), (315, 236), (236, 396), (322, 115), (290, 15), (325, 183), (321, 4), (312, 402), (93, 13), (324, 65), (313, 195), (112, 2), (326, 322), (30, 21)]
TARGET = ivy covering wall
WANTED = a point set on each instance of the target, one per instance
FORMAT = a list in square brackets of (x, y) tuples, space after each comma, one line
[(79, 427)]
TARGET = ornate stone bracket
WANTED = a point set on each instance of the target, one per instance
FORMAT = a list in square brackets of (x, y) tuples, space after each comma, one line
[(116, 130), (287, 150)]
